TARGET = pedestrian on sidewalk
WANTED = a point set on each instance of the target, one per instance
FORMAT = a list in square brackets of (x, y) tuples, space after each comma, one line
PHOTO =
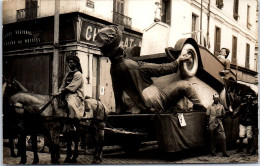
[(246, 113), (215, 114)]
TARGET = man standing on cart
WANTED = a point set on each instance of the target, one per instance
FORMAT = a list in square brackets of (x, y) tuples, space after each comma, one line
[(132, 83)]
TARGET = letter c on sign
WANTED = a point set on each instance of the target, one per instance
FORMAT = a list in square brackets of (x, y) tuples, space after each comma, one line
[(89, 30)]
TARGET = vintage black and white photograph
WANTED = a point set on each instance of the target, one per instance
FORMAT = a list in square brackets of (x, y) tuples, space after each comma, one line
[(130, 82)]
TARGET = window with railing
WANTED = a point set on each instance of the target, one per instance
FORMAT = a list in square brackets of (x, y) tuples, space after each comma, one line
[(122, 20), (30, 11), (27, 14), (118, 14)]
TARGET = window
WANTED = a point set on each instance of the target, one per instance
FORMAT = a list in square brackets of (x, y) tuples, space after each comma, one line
[(194, 26), (248, 17), (235, 9), (119, 6), (166, 11), (217, 40), (31, 3), (234, 50), (219, 4), (118, 14), (30, 11), (247, 55)]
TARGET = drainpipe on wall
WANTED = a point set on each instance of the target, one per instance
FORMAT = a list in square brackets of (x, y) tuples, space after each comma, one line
[(55, 61), (98, 77), (208, 25), (201, 6)]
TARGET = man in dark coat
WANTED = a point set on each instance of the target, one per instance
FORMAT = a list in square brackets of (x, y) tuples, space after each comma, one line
[(247, 114), (215, 113), (132, 83), (255, 126)]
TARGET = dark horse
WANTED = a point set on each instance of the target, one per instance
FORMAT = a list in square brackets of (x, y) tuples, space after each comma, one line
[(50, 121), (10, 123), (26, 106), (92, 123)]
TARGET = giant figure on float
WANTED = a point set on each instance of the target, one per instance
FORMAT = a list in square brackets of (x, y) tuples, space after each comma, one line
[(135, 85)]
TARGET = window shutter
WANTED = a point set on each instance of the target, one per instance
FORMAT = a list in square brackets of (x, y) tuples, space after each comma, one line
[(234, 50), (217, 40), (247, 55)]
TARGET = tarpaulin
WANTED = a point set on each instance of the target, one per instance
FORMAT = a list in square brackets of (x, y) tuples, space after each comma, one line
[(172, 137)]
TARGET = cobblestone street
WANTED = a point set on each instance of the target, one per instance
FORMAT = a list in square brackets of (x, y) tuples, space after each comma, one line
[(148, 154)]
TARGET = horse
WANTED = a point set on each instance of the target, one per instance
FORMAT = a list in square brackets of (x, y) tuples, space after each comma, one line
[(93, 123), (26, 106), (10, 123), (49, 122)]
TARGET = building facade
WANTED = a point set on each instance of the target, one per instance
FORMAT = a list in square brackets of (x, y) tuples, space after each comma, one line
[(28, 34)]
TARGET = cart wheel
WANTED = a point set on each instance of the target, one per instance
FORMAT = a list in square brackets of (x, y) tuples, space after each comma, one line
[(40, 143), (16, 143), (189, 68)]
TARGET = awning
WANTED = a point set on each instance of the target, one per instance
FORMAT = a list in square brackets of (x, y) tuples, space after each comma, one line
[(252, 86)]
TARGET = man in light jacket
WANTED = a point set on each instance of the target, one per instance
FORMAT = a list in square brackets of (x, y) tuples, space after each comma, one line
[(215, 114), (72, 88)]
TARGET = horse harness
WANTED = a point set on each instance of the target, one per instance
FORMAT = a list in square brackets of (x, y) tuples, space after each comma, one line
[(95, 120)]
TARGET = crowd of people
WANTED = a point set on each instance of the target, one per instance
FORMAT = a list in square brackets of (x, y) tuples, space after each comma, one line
[(247, 113)]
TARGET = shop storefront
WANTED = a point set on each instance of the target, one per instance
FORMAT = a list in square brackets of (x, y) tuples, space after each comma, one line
[(28, 51)]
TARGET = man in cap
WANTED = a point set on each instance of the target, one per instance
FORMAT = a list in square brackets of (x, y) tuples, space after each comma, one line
[(132, 83), (224, 52), (72, 88), (215, 113)]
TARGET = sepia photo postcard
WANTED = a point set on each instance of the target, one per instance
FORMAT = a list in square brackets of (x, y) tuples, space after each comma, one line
[(130, 82)]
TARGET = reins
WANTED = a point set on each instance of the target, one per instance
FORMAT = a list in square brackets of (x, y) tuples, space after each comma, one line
[(46, 105)]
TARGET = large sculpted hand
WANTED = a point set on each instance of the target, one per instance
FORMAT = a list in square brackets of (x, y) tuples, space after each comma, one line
[(183, 58)]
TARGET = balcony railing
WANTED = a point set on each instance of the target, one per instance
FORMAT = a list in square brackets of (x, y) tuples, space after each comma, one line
[(27, 13), (122, 20)]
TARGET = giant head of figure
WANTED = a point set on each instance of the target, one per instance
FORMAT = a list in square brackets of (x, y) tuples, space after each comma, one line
[(108, 40)]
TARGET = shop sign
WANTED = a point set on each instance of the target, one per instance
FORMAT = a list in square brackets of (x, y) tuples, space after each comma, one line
[(89, 30), (20, 37), (90, 4)]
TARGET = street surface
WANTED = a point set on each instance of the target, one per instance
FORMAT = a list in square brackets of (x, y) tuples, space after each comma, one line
[(148, 154)]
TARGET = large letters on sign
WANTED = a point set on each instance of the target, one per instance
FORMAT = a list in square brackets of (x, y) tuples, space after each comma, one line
[(89, 30)]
